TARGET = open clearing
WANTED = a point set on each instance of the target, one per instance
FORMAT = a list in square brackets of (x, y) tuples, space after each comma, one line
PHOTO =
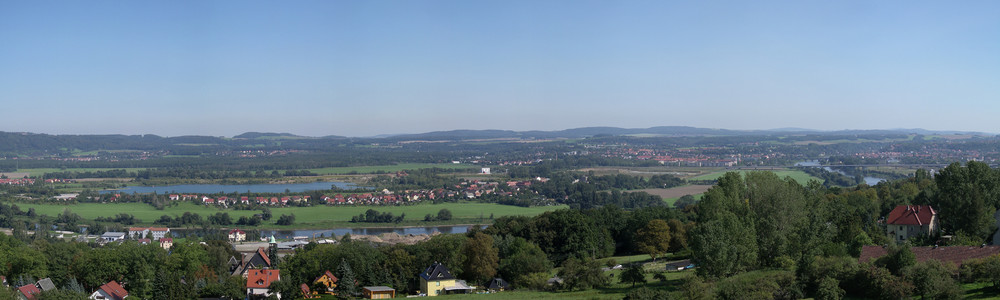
[(314, 216), (677, 192)]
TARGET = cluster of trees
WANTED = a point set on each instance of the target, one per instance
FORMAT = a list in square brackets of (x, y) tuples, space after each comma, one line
[(761, 228), (587, 191), (122, 218), (372, 216), (190, 270), (443, 215), (286, 220)]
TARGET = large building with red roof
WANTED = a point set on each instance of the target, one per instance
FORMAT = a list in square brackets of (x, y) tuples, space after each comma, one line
[(907, 221), (259, 282)]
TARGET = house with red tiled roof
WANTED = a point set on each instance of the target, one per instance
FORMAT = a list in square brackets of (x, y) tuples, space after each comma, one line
[(907, 221), (245, 200), (111, 290), (166, 243), (28, 291), (954, 255), (237, 235), (259, 282)]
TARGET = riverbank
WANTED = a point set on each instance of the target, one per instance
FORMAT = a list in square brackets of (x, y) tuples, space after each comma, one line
[(311, 217)]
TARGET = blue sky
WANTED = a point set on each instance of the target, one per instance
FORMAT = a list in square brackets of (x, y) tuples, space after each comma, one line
[(360, 68)]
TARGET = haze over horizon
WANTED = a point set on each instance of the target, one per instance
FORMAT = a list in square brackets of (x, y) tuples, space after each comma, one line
[(364, 68)]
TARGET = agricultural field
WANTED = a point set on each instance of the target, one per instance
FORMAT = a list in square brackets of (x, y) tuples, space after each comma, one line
[(305, 217), (43, 171), (799, 176), (390, 168)]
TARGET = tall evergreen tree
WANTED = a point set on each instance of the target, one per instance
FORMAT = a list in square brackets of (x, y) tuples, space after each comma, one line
[(346, 285)]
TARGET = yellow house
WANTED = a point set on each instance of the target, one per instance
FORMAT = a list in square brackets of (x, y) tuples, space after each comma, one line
[(327, 280), (437, 280)]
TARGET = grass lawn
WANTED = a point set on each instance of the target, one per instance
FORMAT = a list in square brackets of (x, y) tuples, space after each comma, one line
[(391, 168), (980, 291), (799, 176), (315, 217)]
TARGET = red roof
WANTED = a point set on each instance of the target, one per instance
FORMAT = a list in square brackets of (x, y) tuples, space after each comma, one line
[(29, 291), (954, 255), (263, 254), (115, 290), (911, 215), (261, 279), (237, 231)]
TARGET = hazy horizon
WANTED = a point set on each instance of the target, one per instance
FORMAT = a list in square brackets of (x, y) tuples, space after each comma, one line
[(366, 68), (543, 130)]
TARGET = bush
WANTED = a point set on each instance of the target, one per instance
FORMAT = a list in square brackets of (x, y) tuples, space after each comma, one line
[(695, 288), (829, 289), (774, 284), (983, 270), (879, 283)]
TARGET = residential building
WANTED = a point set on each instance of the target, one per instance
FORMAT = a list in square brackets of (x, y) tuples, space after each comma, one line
[(259, 282), (45, 284), (437, 280), (328, 281), (237, 235), (142, 232), (111, 291), (166, 243), (27, 292), (112, 236), (378, 292), (256, 260), (907, 221), (497, 285)]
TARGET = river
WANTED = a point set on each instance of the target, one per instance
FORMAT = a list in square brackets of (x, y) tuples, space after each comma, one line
[(871, 181), (288, 234), (236, 188)]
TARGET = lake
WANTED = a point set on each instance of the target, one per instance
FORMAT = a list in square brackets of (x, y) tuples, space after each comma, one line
[(236, 188), (288, 234)]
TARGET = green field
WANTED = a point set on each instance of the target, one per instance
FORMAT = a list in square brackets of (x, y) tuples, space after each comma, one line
[(316, 216), (390, 168), (43, 171), (799, 176)]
